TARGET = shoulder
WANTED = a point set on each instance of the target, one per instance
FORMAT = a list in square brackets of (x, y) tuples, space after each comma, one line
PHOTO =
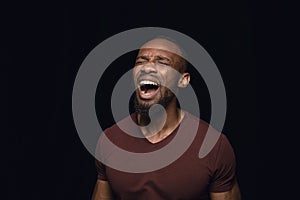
[(210, 140), (126, 125)]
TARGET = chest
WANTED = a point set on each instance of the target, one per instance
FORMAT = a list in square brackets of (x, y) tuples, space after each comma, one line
[(186, 178)]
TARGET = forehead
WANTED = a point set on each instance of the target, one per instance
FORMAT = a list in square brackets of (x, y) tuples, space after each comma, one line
[(162, 47)]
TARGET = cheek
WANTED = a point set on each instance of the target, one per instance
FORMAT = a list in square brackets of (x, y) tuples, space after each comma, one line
[(135, 71), (170, 77)]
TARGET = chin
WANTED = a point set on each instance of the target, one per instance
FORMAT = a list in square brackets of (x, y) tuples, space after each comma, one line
[(147, 104)]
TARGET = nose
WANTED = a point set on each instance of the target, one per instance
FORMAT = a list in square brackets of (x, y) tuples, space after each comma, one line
[(149, 68)]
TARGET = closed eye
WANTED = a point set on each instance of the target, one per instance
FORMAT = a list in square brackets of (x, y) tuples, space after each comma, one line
[(140, 62), (164, 63), (163, 60)]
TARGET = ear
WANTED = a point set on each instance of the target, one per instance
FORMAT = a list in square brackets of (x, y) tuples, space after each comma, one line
[(184, 80)]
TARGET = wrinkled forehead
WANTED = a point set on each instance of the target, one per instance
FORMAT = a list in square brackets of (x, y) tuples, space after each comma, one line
[(163, 44)]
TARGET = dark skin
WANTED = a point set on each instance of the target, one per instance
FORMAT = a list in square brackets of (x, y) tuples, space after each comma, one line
[(159, 58), (164, 66)]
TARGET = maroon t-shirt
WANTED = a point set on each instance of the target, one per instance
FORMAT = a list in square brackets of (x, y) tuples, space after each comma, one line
[(188, 177)]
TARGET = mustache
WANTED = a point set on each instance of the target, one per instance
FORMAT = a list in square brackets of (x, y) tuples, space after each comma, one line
[(142, 74)]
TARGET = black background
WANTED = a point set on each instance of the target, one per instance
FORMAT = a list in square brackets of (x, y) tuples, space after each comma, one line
[(44, 45)]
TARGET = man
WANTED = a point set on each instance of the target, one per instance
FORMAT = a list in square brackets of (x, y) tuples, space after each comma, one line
[(159, 72)]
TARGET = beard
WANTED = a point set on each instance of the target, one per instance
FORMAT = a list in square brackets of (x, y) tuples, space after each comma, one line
[(143, 107)]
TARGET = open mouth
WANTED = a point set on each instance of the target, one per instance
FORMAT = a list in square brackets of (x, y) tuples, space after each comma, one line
[(148, 89)]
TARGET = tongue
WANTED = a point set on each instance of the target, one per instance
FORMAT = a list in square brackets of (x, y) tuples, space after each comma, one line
[(147, 93)]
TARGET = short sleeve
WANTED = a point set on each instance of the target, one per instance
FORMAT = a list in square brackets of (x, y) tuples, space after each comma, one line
[(100, 167), (225, 166)]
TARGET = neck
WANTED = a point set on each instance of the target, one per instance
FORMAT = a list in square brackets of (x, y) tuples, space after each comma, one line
[(162, 123)]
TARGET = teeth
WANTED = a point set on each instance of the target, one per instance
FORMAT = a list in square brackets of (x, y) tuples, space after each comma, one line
[(148, 83)]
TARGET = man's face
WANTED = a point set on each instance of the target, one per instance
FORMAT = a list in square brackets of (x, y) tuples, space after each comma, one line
[(155, 71)]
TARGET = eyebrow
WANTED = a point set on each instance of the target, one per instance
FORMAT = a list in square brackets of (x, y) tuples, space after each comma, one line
[(143, 57), (162, 58), (156, 58)]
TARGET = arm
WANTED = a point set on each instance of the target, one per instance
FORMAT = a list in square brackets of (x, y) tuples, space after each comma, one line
[(102, 191), (225, 174), (233, 194)]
